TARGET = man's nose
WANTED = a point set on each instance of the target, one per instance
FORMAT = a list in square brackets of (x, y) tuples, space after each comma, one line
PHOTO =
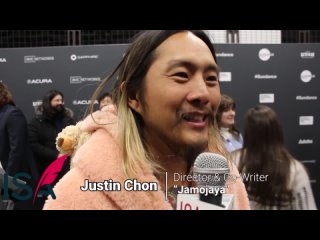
[(199, 93)]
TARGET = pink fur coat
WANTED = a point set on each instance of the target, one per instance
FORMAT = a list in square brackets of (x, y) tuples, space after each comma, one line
[(99, 160)]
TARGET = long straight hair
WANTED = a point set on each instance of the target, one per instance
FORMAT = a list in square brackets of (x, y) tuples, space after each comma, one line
[(131, 73), (264, 153)]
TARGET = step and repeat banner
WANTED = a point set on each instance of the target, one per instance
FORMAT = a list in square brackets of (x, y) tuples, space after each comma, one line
[(282, 76), (75, 71)]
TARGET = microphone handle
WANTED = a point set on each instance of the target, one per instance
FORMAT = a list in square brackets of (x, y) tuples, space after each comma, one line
[(212, 199)]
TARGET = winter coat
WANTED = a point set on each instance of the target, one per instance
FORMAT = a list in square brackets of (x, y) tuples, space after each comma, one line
[(15, 152), (99, 159), (42, 137)]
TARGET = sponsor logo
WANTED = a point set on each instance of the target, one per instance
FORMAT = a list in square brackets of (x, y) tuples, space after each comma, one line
[(307, 54), (265, 76), (34, 59), (225, 77), (83, 102), (75, 79), (306, 98), (37, 103), (305, 141), (79, 79), (225, 54), (308, 161), (39, 81), (3, 60), (306, 76), (266, 97), (265, 54), (305, 120), (75, 57)]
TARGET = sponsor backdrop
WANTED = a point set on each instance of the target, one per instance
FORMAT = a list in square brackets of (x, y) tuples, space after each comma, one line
[(282, 76)]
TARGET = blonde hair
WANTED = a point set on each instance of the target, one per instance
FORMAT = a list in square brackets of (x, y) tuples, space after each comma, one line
[(131, 74)]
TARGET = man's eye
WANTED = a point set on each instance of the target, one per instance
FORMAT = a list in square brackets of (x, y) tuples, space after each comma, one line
[(181, 74), (212, 78)]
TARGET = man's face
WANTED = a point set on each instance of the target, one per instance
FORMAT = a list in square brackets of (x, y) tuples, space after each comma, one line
[(57, 103), (182, 94), (106, 101)]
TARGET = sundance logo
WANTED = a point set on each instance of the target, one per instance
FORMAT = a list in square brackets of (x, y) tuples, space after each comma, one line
[(74, 57), (33, 59), (79, 79), (266, 97), (306, 98), (39, 81), (305, 141), (307, 54), (225, 54), (83, 102), (225, 76), (306, 76), (3, 60), (265, 54), (265, 76), (305, 120)]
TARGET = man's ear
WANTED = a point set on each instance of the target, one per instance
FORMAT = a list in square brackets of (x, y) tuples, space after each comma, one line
[(134, 101)]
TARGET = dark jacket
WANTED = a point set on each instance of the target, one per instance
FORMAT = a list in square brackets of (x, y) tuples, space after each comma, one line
[(42, 137), (15, 152)]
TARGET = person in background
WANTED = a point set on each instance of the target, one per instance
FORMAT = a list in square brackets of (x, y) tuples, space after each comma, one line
[(15, 153), (51, 117), (166, 96), (284, 182), (226, 113)]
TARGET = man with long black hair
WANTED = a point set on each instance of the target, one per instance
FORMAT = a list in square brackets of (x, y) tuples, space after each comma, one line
[(51, 117)]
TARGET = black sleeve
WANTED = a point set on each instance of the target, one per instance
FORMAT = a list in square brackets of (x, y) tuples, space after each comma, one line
[(42, 152), (71, 122), (17, 131)]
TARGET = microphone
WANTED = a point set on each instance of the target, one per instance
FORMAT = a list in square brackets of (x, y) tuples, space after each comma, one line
[(210, 171)]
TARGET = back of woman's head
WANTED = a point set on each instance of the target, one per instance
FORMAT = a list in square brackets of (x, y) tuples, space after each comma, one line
[(262, 129), (264, 153)]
